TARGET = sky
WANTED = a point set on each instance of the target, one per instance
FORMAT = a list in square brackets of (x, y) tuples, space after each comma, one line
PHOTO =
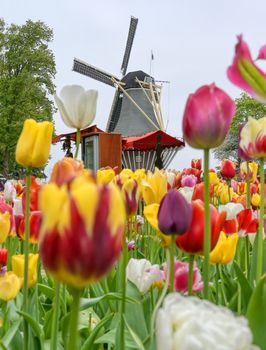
[(192, 42)]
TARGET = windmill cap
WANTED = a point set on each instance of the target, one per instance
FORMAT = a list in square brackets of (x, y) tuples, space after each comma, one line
[(130, 79)]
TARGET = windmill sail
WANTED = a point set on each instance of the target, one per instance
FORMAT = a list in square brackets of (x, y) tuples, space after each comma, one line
[(130, 39)]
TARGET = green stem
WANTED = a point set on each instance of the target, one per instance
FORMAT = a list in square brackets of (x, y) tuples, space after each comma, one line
[(77, 143), (217, 284), (26, 258), (160, 300), (260, 232), (123, 301), (56, 308), (207, 226), (222, 285), (72, 340), (171, 265), (248, 186), (190, 274)]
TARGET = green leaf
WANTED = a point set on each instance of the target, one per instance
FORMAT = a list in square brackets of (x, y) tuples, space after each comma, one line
[(88, 302), (7, 338), (90, 340), (246, 289), (256, 313), (37, 329), (134, 336)]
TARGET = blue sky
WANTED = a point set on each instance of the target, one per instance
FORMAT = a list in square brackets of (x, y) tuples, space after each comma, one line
[(192, 41)]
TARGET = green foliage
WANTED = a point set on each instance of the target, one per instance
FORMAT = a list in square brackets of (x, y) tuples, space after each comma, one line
[(246, 107), (27, 70)]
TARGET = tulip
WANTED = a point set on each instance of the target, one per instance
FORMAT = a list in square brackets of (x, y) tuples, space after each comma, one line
[(82, 230), (245, 74), (192, 241), (228, 169), (246, 223), (207, 117), (199, 190), (18, 268), (253, 138), (192, 171), (188, 181), (181, 277), (175, 213), (9, 192), (225, 249), (196, 164), (224, 193), (138, 272), (187, 193), (77, 106), (151, 214), (213, 178), (231, 209), (249, 172), (3, 260), (17, 206), (34, 143), (35, 221), (154, 187), (34, 195), (255, 200), (4, 226), (131, 196), (184, 323), (104, 176), (65, 170), (9, 286)]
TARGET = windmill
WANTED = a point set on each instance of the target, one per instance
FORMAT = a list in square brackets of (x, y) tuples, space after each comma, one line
[(136, 109)]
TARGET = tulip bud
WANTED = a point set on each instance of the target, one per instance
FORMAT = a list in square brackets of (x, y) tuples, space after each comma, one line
[(65, 170), (228, 169), (255, 200), (34, 143), (207, 117), (35, 220), (188, 181), (4, 226), (9, 286), (131, 196), (77, 106), (18, 268), (82, 230), (3, 256), (196, 164), (175, 213), (248, 172)]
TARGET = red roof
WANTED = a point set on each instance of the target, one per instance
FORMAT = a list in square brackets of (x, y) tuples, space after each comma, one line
[(150, 141), (72, 135)]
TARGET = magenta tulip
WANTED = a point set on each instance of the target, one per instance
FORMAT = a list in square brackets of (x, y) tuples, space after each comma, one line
[(207, 117), (245, 74), (175, 213)]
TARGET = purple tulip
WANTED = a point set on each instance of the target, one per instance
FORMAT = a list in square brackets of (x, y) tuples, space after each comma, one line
[(207, 117), (175, 213), (188, 181)]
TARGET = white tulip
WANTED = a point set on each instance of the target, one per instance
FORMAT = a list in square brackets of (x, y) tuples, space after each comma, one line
[(187, 192), (9, 192), (138, 272), (231, 209), (17, 206), (186, 323), (77, 106)]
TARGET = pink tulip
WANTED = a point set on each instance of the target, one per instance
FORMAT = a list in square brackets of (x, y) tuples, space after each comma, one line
[(262, 53), (207, 117), (245, 74), (188, 181)]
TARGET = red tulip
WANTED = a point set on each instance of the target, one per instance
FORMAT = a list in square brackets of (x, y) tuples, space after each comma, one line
[(199, 191), (196, 164), (3, 256), (207, 117), (245, 74), (34, 195), (192, 241), (228, 169), (246, 224), (35, 225)]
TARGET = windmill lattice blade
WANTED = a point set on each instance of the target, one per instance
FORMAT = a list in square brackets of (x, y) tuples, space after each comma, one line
[(130, 38), (93, 72)]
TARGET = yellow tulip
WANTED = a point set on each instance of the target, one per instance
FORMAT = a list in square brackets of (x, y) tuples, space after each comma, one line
[(18, 268), (104, 176), (4, 226), (34, 143), (225, 249), (151, 214), (9, 286), (251, 171), (213, 178), (154, 187), (223, 193), (255, 200)]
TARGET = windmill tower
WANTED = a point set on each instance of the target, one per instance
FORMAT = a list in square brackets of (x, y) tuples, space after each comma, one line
[(136, 109)]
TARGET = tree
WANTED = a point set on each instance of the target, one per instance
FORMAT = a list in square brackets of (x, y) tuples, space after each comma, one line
[(27, 70), (245, 107)]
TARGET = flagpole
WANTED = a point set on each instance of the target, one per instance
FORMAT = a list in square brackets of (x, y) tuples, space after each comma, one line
[(152, 58)]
